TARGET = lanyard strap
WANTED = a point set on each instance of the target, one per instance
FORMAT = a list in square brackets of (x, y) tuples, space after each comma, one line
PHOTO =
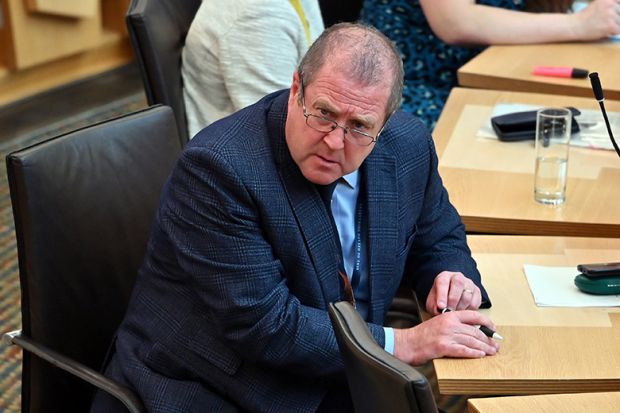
[(300, 12), (359, 212), (349, 286)]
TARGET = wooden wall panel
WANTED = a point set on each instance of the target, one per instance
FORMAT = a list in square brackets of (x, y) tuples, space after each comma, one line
[(7, 55), (65, 8), (39, 38), (113, 15)]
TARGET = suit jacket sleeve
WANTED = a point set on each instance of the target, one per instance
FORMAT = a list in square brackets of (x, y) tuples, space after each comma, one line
[(440, 243), (211, 217)]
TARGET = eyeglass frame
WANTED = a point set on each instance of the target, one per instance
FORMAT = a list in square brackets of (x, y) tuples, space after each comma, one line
[(336, 125)]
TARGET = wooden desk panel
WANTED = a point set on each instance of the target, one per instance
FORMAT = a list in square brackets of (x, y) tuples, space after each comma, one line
[(545, 350), (510, 68), (491, 183), (565, 403)]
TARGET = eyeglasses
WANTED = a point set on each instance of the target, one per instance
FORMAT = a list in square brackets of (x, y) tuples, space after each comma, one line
[(326, 125)]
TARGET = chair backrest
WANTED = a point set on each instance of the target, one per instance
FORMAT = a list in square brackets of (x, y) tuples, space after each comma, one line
[(83, 204), (378, 381), (157, 29), (340, 11)]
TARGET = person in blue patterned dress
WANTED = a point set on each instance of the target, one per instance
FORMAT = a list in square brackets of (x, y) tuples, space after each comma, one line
[(436, 37)]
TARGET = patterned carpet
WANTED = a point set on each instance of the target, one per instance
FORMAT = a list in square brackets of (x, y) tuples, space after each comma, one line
[(10, 317)]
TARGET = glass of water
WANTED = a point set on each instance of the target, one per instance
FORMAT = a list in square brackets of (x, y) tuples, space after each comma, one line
[(553, 130)]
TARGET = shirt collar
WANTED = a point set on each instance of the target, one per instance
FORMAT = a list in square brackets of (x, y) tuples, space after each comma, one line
[(352, 179)]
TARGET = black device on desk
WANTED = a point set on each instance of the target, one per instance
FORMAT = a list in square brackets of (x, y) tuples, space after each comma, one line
[(521, 126), (605, 269), (601, 278)]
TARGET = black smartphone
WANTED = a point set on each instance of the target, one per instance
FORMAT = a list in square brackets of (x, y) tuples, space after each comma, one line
[(520, 126), (606, 269)]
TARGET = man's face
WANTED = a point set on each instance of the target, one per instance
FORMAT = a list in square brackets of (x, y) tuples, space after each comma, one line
[(325, 157)]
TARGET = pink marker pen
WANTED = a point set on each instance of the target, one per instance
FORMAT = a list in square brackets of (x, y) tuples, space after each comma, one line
[(560, 71)]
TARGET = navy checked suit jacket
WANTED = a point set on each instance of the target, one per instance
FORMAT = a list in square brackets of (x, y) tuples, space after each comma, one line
[(229, 310)]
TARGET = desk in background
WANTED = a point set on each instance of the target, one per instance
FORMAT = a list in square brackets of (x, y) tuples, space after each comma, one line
[(545, 349), (491, 183), (510, 68)]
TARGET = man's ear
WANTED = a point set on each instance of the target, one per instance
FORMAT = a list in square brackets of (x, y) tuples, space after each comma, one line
[(295, 88)]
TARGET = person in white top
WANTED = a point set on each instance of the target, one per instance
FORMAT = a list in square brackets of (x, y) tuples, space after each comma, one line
[(238, 51)]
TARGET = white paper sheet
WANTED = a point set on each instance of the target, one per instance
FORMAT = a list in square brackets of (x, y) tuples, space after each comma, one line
[(555, 287)]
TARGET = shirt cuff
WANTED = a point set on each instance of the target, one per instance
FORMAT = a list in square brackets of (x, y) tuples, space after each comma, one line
[(389, 340)]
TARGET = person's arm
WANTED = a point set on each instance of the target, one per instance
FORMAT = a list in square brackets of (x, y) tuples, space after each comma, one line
[(260, 53), (440, 250), (467, 23), (443, 273)]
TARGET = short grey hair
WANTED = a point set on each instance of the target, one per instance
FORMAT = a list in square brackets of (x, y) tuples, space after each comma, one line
[(369, 54)]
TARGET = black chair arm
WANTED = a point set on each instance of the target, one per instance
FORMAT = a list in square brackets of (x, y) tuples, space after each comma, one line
[(126, 396)]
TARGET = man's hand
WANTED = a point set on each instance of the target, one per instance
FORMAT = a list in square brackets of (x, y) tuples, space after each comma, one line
[(453, 334), (454, 291)]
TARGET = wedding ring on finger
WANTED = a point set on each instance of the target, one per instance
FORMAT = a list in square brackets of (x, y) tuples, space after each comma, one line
[(468, 291)]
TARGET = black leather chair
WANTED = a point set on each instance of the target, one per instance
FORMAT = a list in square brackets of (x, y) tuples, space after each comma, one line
[(378, 381), (340, 11), (157, 29), (83, 204)]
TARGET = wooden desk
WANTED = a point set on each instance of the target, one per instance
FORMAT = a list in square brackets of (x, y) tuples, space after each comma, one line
[(552, 403), (510, 68), (545, 349), (491, 183)]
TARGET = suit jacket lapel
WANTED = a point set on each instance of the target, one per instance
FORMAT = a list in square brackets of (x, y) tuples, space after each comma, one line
[(308, 208), (382, 211)]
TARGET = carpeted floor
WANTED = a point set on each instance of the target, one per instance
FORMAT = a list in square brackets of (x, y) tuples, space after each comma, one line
[(10, 318)]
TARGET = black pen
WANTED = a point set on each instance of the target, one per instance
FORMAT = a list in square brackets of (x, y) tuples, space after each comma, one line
[(486, 330)]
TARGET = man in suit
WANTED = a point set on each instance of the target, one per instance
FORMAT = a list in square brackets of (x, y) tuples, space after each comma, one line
[(315, 194)]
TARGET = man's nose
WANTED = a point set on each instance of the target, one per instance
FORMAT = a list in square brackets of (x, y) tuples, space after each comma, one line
[(335, 138)]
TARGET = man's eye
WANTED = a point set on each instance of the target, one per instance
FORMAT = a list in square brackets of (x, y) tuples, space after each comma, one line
[(359, 126), (325, 112)]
